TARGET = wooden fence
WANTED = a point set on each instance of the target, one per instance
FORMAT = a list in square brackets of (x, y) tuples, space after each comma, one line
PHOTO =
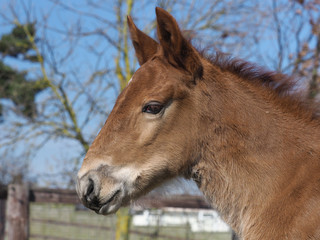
[(15, 217)]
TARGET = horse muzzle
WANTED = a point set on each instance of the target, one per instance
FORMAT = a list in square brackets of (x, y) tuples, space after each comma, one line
[(100, 193)]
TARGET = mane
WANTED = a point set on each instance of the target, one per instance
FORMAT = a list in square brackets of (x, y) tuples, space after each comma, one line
[(285, 87)]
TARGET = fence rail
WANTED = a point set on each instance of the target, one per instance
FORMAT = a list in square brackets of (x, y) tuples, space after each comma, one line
[(48, 195)]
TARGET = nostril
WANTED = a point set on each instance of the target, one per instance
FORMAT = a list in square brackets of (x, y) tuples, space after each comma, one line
[(90, 189)]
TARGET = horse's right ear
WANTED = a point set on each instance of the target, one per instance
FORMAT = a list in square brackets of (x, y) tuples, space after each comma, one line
[(144, 45)]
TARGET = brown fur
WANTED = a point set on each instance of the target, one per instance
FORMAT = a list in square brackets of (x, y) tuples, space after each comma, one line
[(241, 133)]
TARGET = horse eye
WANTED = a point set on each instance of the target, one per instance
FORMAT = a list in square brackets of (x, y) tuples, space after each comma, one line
[(152, 107)]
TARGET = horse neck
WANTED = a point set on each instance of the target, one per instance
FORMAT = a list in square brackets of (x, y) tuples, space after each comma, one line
[(250, 148)]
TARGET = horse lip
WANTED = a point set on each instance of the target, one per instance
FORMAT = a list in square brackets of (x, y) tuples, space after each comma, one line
[(112, 204)]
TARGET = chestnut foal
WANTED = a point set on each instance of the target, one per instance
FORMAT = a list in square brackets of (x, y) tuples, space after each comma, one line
[(252, 147)]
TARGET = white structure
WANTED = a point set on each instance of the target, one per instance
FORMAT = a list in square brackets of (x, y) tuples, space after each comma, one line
[(200, 220)]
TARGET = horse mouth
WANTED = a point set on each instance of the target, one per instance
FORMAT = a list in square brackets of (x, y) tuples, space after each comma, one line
[(112, 204)]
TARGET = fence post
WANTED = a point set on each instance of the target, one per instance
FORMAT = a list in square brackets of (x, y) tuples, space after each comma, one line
[(234, 236), (17, 212), (2, 217)]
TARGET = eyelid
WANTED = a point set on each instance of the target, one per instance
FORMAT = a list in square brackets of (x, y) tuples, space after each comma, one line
[(154, 102)]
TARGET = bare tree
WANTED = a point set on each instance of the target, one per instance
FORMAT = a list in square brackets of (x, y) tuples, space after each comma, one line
[(72, 101), (287, 39)]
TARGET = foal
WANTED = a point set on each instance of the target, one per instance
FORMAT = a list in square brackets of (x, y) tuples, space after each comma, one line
[(251, 147)]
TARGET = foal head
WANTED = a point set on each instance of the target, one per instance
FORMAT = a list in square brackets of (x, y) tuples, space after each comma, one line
[(149, 137)]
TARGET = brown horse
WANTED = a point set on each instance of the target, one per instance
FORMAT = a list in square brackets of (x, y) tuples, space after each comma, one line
[(250, 145)]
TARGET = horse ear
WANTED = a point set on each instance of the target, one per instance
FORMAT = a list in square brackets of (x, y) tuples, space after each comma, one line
[(144, 45), (176, 48)]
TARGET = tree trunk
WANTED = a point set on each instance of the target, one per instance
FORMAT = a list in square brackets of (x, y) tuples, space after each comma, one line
[(123, 224)]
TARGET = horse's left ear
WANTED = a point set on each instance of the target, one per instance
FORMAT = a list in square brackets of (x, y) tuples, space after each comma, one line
[(176, 48)]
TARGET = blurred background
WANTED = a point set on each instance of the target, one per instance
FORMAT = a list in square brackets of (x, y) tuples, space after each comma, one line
[(62, 65)]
